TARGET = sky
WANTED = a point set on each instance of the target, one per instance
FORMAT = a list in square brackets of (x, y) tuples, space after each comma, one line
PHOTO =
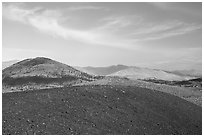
[(156, 35)]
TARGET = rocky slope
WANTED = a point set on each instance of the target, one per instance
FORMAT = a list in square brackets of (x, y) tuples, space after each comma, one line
[(191, 94), (99, 110), (39, 71)]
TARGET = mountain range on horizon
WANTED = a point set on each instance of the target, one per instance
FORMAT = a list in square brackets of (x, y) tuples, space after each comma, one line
[(130, 71), (106, 70)]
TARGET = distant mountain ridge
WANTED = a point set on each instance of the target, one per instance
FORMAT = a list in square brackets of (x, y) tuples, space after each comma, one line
[(136, 72), (47, 68), (102, 70), (146, 73), (191, 72), (110, 70), (6, 64)]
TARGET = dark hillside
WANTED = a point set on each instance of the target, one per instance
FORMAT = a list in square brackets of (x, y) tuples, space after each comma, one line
[(41, 66), (40, 71), (99, 110)]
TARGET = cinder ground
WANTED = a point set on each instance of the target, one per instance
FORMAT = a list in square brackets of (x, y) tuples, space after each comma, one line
[(99, 109)]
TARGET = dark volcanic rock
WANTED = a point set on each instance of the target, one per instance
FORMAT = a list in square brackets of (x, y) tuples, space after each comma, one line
[(119, 110)]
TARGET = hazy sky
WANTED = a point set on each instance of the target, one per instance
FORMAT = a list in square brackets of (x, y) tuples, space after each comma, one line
[(157, 35)]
